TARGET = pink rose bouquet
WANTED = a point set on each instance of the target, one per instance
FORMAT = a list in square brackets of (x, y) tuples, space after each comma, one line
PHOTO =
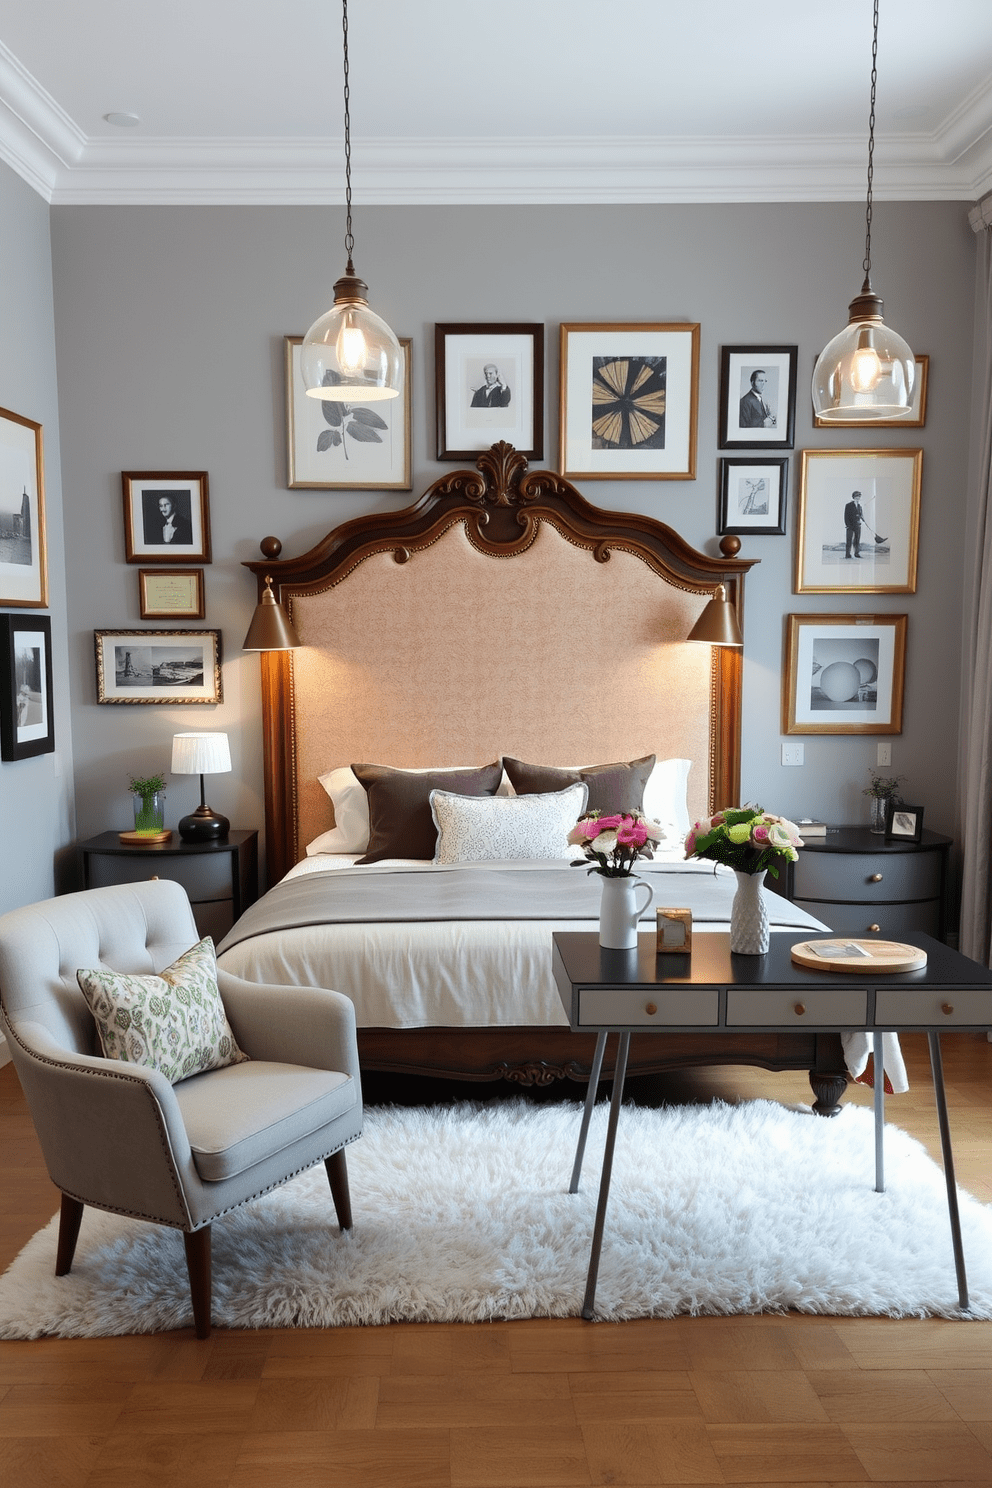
[(613, 843), (745, 838)]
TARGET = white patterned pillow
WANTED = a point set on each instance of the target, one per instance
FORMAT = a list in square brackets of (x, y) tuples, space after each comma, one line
[(477, 829), (174, 1022)]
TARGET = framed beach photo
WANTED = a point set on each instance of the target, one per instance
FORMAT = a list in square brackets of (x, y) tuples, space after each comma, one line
[(27, 724), (166, 516), (859, 521), (171, 594), (913, 420), (489, 385), (346, 446), (158, 666), (23, 553), (758, 397), (754, 493), (628, 398), (844, 674)]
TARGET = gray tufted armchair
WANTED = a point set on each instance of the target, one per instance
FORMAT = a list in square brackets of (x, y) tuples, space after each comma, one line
[(119, 1136)]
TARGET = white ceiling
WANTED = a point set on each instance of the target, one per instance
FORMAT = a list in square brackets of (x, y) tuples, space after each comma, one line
[(496, 100)]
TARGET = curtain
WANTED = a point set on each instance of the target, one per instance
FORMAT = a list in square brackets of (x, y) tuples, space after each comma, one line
[(975, 772)]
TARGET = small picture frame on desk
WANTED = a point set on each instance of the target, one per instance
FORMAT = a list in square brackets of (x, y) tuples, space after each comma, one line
[(903, 823), (674, 932)]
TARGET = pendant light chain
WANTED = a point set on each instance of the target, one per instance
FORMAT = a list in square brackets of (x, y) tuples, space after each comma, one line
[(871, 149), (349, 239)]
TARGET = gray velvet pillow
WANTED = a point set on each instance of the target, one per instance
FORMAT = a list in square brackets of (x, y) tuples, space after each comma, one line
[(400, 820), (612, 788)]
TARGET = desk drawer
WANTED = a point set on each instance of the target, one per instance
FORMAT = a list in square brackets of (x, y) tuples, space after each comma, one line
[(204, 877), (767, 1007), (822, 875), (893, 920), (905, 1007), (674, 1007)]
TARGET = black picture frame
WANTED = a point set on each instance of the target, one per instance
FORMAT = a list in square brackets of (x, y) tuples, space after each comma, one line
[(754, 494), (903, 823), (27, 723), (740, 393), (462, 352)]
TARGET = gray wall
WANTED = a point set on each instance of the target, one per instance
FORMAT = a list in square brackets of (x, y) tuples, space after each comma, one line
[(36, 816), (169, 329)]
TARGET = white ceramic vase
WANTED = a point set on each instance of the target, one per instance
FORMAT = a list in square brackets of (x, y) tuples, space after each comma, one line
[(619, 911), (749, 934)]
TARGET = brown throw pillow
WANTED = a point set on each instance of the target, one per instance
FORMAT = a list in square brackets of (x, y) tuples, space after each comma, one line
[(612, 788), (400, 821)]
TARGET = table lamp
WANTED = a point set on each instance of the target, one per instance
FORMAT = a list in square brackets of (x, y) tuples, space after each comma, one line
[(201, 754)]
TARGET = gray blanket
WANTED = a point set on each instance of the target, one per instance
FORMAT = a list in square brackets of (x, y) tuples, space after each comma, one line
[(478, 891)]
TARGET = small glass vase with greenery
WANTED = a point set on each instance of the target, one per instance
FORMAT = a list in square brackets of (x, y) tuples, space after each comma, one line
[(880, 790), (149, 805)]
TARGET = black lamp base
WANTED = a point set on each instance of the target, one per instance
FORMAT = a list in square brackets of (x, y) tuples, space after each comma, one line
[(204, 825)]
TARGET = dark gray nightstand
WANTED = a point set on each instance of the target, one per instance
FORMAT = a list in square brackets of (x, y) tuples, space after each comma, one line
[(221, 878)]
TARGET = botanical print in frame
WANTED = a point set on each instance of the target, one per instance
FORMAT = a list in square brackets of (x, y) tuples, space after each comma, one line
[(859, 520), (23, 553), (903, 823), (346, 446), (166, 516), (158, 666), (753, 496), (628, 399), (27, 725), (171, 593), (758, 397), (489, 385), (913, 420), (844, 674)]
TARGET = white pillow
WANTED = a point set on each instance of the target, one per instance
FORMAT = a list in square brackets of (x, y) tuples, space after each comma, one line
[(350, 833), (477, 829), (665, 796)]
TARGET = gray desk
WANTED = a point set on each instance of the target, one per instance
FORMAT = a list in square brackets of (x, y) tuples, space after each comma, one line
[(625, 992)]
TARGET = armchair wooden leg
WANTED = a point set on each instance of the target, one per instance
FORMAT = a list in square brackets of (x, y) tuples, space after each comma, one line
[(70, 1219), (337, 1176), (198, 1265)]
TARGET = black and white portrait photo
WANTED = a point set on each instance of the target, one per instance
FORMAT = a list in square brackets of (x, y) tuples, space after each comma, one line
[(166, 518), (26, 723), (757, 397), (491, 390), (490, 387), (859, 521)]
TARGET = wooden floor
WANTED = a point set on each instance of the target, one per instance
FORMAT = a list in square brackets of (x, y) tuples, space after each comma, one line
[(542, 1404)]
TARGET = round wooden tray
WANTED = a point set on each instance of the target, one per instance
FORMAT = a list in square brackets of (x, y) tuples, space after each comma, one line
[(144, 839), (883, 956)]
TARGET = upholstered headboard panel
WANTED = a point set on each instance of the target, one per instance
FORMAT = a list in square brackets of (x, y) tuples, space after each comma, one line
[(469, 625)]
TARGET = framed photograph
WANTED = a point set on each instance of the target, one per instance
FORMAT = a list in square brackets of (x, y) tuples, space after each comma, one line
[(347, 446), (844, 674), (758, 397), (489, 383), (628, 399), (27, 724), (166, 516), (753, 495), (23, 554), (914, 420), (158, 666), (903, 823), (171, 593), (859, 520)]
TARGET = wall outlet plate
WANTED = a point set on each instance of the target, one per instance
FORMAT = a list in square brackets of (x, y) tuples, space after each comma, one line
[(884, 754), (793, 754)]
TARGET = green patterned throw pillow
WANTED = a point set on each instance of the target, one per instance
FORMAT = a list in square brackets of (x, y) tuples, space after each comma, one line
[(174, 1022)]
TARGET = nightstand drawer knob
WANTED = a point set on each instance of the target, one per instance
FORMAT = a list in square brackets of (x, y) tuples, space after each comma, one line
[(875, 878), (799, 1009), (651, 1008), (154, 878), (876, 928), (947, 1007)]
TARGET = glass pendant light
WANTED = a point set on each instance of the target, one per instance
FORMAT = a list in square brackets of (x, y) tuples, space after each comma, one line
[(868, 371), (350, 353)]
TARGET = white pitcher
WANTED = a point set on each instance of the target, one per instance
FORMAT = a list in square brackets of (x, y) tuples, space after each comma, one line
[(619, 911)]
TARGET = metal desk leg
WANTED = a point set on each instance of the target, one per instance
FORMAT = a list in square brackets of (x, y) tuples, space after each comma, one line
[(876, 1047), (604, 1182), (594, 1073), (937, 1069)]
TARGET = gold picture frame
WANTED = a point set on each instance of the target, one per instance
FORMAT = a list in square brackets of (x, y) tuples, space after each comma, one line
[(339, 447), (171, 593), (919, 406), (844, 674), (858, 521), (158, 666), (23, 546)]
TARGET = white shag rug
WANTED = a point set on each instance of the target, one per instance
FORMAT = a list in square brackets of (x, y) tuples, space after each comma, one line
[(462, 1215)]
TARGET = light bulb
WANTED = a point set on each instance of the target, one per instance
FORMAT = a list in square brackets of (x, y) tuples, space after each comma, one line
[(350, 346), (866, 369)]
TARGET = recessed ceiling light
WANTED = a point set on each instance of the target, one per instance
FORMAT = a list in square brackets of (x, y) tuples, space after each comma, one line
[(123, 121)]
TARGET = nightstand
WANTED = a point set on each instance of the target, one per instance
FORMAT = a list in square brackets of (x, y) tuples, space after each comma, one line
[(221, 878), (858, 883)]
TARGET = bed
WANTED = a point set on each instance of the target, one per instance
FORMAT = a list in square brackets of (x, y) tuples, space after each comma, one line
[(499, 620)]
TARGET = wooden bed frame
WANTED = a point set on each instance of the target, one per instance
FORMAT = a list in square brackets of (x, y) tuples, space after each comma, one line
[(501, 508)]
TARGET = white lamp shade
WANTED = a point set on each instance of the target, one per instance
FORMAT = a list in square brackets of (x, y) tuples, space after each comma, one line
[(200, 754)]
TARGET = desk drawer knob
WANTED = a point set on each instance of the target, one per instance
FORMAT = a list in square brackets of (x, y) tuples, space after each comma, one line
[(947, 1007), (799, 1009), (651, 1008), (876, 928), (875, 878), (154, 878)]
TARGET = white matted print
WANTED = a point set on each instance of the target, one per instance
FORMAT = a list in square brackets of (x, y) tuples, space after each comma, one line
[(758, 397), (753, 495), (859, 518), (844, 674), (346, 446), (489, 383), (23, 556), (158, 666)]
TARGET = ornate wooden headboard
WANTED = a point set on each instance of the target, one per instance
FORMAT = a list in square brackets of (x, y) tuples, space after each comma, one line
[(418, 649)]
